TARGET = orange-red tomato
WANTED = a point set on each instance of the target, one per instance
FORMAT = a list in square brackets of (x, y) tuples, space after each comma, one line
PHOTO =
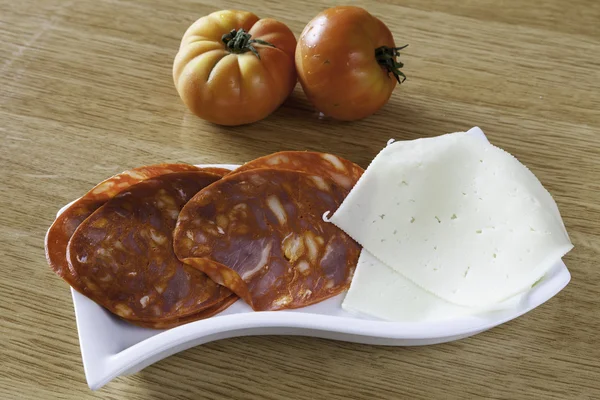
[(233, 68), (347, 63)]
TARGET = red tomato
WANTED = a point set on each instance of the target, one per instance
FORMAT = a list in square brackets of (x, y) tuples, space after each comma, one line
[(233, 68), (347, 63)]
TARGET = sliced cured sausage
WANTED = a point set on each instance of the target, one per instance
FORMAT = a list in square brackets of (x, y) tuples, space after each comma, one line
[(261, 234), (123, 252), (172, 323), (343, 172), (62, 229), (217, 170)]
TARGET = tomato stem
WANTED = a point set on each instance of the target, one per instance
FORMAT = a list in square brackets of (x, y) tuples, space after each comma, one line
[(241, 41), (386, 57)]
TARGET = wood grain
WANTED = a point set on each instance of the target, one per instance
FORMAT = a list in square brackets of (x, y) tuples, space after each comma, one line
[(86, 92)]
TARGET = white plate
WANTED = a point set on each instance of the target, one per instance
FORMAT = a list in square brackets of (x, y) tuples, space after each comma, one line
[(111, 347)]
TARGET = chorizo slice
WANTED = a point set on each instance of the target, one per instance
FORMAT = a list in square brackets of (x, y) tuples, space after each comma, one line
[(217, 170), (343, 172), (123, 252), (64, 226), (261, 234), (172, 323)]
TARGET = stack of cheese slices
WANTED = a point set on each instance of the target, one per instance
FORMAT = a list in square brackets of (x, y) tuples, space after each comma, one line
[(450, 226)]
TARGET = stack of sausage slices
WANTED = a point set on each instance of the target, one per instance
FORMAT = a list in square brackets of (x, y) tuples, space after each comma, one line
[(168, 244)]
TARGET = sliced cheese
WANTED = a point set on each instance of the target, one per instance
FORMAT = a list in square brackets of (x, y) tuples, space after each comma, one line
[(377, 290), (457, 216)]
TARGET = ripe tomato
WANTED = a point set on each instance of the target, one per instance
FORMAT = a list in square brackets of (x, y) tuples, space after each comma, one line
[(346, 63), (233, 68)]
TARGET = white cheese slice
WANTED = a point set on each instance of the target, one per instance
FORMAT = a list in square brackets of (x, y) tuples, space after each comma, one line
[(379, 291), (457, 216)]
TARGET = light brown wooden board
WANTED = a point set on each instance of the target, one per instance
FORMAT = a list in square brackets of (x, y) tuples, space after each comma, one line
[(86, 91)]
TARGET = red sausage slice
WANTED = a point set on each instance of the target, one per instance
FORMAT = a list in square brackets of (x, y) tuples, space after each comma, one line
[(341, 171), (123, 253), (172, 323), (62, 229), (261, 234), (217, 170)]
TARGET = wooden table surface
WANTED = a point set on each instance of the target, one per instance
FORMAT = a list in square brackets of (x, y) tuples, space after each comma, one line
[(86, 91)]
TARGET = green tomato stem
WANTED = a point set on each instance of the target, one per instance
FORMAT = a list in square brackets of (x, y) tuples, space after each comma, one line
[(386, 57), (241, 41)]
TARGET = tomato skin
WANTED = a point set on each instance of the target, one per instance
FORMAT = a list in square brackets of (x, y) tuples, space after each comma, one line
[(336, 64), (234, 88)]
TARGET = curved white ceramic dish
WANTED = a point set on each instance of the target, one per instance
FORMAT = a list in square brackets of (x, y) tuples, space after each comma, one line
[(111, 347)]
